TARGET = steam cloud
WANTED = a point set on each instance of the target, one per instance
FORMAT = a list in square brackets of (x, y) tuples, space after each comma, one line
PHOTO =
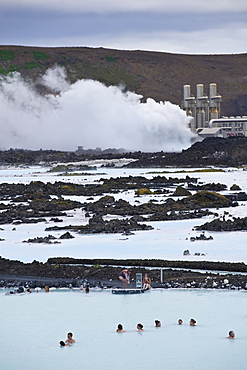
[(86, 113)]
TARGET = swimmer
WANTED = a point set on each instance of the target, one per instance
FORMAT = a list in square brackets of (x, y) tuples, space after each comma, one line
[(124, 275), (157, 323), (87, 289), (120, 329), (69, 339), (231, 335), (180, 321), (139, 327), (192, 322), (63, 344)]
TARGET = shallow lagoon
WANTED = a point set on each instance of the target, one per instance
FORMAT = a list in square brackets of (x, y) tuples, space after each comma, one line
[(33, 324)]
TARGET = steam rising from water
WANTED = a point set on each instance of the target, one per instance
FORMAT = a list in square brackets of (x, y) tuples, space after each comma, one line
[(86, 113)]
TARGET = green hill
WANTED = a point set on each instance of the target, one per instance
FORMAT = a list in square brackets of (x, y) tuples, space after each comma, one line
[(160, 76)]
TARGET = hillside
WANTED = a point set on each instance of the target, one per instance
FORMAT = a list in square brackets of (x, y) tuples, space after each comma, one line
[(160, 76)]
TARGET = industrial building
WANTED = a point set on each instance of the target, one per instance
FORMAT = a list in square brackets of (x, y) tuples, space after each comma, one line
[(201, 108), (205, 114)]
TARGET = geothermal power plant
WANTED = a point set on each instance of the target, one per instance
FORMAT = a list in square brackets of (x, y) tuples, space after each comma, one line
[(205, 113)]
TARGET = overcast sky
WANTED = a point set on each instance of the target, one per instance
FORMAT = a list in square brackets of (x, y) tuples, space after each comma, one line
[(178, 26)]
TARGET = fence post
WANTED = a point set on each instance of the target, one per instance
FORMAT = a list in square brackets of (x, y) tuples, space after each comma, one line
[(161, 276)]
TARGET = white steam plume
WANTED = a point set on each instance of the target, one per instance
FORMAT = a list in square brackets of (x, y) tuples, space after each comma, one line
[(86, 113)]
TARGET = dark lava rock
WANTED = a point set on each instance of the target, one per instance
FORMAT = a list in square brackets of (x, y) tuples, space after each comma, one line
[(200, 237), (236, 224), (67, 235), (235, 187), (55, 219), (97, 225), (186, 252), (208, 199), (228, 152), (211, 151), (209, 186), (180, 191), (240, 196), (45, 239)]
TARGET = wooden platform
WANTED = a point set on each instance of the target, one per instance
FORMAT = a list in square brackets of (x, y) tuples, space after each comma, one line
[(127, 291)]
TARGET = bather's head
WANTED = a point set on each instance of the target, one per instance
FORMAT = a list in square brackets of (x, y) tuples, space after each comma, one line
[(157, 323), (192, 322), (231, 334), (62, 344), (139, 326), (120, 327)]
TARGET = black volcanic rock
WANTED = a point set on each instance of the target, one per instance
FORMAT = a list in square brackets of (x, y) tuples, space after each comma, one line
[(97, 225), (212, 151), (236, 224), (66, 235), (180, 191)]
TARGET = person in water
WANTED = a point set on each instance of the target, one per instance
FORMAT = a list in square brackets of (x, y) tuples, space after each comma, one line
[(70, 339), (157, 323), (192, 322), (120, 329), (231, 335), (63, 344), (180, 321), (146, 282), (139, 327), (124, 275)]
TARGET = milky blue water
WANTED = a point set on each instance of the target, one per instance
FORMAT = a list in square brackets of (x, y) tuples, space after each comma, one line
[(33, 324)]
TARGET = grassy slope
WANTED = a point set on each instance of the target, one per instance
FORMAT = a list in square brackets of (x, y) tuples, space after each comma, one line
[(160, 76)]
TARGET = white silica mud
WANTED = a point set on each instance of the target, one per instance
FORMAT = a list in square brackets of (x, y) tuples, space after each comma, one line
[(167, 240)]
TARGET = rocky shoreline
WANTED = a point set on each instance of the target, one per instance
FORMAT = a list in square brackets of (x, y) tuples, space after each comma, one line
[(213, 151), (96, 273)]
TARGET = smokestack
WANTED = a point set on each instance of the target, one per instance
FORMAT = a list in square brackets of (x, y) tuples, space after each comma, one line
[(214, 102)]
